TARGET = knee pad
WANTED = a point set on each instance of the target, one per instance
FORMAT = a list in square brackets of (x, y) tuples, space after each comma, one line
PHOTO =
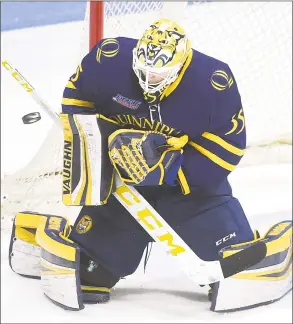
[(212, 229)]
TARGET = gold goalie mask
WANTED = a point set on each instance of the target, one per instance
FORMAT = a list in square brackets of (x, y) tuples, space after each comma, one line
[(160, 54)]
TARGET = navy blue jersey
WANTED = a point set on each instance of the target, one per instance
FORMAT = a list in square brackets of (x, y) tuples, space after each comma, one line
[(203, 103)]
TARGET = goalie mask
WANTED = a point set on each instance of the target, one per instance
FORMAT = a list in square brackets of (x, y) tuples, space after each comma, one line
[(159, 55)]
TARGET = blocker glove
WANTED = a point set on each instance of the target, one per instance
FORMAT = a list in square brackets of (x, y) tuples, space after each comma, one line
[(146, 158)]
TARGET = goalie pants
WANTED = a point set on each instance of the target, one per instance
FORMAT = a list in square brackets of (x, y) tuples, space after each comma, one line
[(207, 219)]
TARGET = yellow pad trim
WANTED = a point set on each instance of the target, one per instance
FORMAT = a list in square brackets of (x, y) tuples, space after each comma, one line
[(25, 236), (91, 288), (280, 244), (110, 189), (84, 161), (49, 269), (265, 275), (67, 159), (59, 249), (28, 220)]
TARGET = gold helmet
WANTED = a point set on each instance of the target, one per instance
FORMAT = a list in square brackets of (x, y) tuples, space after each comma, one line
[(160, 54)]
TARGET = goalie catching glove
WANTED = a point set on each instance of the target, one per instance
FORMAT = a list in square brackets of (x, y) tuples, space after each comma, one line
[(147, 158)]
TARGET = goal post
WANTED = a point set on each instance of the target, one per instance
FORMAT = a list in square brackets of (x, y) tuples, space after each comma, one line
[(96, 22)]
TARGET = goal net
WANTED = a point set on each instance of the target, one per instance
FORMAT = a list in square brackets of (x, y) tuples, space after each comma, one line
[(254, 38)]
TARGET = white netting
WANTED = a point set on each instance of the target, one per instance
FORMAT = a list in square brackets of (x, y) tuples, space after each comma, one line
[(254, 38)]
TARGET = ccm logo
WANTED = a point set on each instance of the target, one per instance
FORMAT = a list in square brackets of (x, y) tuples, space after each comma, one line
[(149, 220), (226, 238)]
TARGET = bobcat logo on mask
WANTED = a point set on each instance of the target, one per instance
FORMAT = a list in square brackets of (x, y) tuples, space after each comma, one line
[(160, 54)]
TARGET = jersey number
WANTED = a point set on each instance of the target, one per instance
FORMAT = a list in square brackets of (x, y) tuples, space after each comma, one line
[(235, 121), (78, 70)]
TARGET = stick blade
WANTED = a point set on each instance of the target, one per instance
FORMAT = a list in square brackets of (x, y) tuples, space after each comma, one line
[(244, 259)]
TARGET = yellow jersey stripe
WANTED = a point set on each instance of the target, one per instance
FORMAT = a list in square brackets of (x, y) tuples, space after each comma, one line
[(218, 140), (76, 102), (213, 157)]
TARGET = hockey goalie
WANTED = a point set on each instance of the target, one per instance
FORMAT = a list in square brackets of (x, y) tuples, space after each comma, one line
[(168, 120)]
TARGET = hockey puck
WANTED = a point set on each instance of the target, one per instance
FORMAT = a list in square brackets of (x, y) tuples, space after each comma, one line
[(31, 118)]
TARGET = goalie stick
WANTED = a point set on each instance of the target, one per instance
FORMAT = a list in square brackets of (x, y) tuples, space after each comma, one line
[(21, 80), (200, 271)]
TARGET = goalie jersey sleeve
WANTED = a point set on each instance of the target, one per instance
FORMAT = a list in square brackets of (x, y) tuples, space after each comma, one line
[(103, 72), (82, 89), (76, 96), (210, 157)]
